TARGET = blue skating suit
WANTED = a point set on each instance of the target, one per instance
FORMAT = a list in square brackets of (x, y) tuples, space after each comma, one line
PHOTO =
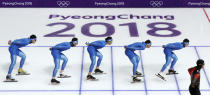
[(57, 56), (15, 51), (168, 51), (134, 58), (93, 52)]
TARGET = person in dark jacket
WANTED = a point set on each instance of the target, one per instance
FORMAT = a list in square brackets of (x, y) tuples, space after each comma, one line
[(195, 77)]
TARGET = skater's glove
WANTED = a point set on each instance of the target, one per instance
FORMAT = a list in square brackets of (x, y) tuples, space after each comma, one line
[(9, 42), (50, 48), (87, 43)]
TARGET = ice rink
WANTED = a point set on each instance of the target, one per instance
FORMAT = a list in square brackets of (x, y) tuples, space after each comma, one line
[(57, 25)]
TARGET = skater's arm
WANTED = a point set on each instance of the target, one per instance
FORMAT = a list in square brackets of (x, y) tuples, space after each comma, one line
[(190, 70)]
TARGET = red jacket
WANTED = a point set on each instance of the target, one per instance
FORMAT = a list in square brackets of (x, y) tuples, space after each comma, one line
[(195, 76)]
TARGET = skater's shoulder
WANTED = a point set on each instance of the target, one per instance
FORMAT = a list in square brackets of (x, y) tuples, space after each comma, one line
[(99, 42), (63, 43), (175, 43), (138, 43), (22, 39)]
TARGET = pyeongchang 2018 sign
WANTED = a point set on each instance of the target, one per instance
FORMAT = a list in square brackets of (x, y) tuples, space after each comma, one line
[(104, 3)]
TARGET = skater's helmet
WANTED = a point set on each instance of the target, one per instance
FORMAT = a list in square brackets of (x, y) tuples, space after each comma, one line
[(200, 62), (148, 42), (108, 39), (33, 37), (186, 42), (74, 41)]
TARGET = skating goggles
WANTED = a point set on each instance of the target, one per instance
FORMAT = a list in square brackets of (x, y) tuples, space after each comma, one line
[(149, 44), (34, 39), (186, 43), (75, 42), (109, 40)]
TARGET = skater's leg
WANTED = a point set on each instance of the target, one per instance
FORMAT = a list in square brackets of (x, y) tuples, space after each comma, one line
[(174, 57), (93, 61), (137, 60), (56, 57), (133, 61), (168, 61), (100, 57), (57, 66), (92, 54), (132, 57), (23, 58), (65, 60), (135, 66), (13, 62)]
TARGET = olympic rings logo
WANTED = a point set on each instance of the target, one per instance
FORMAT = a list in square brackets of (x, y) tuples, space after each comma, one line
[(63, 3), (156, 3)]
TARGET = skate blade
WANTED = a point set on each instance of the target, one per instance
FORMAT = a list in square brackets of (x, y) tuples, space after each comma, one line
[(23, 74), (99, 73), (93, 79), (64, 77), (10, 81), (172, 73), (137, 82), (160, 77), (140, 75), (55, 83)]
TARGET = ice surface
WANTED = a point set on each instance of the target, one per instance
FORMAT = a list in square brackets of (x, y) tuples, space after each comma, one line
[(18, 23)]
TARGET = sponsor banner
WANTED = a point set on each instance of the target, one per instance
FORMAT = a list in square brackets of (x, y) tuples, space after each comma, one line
[(103, 3)]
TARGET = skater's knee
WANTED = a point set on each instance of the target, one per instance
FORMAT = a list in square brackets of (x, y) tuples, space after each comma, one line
[(13, 63), (100, 56), (175, 58), (93, 58), (23, 56), (65, 60), (137, 58)]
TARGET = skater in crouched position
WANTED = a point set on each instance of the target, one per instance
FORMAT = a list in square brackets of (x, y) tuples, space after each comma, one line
[(15, 51), (134, 58), (195, 77), (169, 55), (57, 54), (93, 52)]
